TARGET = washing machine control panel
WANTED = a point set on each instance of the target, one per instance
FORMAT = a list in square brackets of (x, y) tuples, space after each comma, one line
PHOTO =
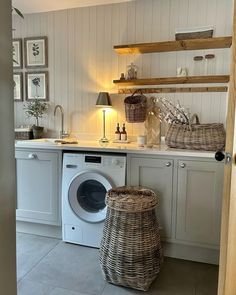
[(78, 161)]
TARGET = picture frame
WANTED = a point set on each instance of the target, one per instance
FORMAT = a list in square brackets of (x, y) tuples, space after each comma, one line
[(36, 84), (18, 86), (17, 54), (36, 52)]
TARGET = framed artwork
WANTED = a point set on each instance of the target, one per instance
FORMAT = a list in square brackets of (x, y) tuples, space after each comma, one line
[(17, 53), (36, 52), (37, 85), (18, 86)]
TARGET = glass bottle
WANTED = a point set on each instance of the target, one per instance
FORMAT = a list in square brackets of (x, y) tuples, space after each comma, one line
[(117, 133), (123, 133)]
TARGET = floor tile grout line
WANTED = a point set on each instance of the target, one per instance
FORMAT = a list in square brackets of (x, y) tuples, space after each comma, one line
[(37, 263)]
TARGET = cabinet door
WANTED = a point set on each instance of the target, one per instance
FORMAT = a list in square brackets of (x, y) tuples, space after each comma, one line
[(38, 193), (199, 197), (156, 174)]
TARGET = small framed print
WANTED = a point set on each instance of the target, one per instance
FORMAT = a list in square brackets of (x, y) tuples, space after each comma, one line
[(36, 52), (17, 53), (18, 86), (37, 85)]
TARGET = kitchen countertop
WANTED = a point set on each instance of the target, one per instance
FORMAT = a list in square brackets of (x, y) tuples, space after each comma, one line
[(48, 144)]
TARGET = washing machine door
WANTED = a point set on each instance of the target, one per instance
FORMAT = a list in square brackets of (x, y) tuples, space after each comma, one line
[(87, 192)]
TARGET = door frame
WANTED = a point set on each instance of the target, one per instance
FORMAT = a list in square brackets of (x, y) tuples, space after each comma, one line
[(227, 269)]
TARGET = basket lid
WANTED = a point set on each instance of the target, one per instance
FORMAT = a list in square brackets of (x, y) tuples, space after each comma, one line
[(131, 199)]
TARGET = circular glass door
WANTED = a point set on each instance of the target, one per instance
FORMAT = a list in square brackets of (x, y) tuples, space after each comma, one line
[(87, 193)]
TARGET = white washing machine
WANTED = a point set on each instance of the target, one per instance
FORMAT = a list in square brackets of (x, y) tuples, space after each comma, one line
[(85, 181)]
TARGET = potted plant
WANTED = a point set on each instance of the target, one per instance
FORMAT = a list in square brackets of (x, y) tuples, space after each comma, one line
[(36, 109)]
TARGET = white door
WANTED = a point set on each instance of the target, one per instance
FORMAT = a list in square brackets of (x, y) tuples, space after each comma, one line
[(7, 162)]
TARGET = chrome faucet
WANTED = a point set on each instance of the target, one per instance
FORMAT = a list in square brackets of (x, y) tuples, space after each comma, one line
[(63, 134)]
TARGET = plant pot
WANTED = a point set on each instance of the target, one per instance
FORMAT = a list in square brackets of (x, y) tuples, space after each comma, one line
[(37, 131)]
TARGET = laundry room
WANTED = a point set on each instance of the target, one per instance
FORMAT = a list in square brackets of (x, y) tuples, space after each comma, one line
[(122, 146)]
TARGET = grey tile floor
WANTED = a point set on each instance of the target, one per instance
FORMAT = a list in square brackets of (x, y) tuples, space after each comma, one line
[(48, 266)]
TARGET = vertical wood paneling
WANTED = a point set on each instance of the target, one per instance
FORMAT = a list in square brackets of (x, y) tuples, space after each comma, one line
[(82, 61)]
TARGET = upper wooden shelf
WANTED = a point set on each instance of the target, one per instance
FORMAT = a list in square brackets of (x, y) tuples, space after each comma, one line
[(175, 80), (191, 44)]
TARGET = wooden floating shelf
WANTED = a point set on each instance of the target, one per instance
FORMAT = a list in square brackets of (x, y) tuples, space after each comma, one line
[(175, 90), (174, 80), (167, 46)]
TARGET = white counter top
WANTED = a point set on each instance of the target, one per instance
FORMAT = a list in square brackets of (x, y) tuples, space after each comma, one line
[(94, 146)]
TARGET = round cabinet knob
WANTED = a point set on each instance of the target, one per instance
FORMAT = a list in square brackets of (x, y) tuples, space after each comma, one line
[(168, 164), (32, 156), (182, 165), (219, 156)]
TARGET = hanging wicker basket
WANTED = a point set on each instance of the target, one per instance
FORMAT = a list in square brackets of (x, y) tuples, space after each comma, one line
[(196, 136), (136, 107)]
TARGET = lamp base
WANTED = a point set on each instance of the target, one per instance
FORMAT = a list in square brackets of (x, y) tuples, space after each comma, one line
[(103, 140)]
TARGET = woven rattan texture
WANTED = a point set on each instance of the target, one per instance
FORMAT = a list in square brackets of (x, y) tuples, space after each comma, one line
[(209, 137), (130, 253), (131, 199), (135, 108)]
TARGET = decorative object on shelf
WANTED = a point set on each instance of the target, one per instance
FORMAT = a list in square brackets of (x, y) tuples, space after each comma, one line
[(198, 57), (36, 52), (153, 124), (198, 68), (132, 71), (37, 85), (185, 134), (36, 109), (122, 76), (104, 101), (210, 64), (182, 72), (18, 86), (136, 107), (193, 33), (17, 54)]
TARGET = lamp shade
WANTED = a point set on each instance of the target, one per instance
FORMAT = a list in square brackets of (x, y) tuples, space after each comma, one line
[(103, 100)]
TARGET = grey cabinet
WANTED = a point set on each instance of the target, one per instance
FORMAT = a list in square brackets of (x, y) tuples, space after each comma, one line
[(190, 193), (38, 186), (199, 198), (156, 174)]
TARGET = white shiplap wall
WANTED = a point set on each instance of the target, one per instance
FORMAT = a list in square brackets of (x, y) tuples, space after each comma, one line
[(82, 61)]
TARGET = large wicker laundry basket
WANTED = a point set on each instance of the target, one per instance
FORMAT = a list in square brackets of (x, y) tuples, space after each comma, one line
[(130, 253)]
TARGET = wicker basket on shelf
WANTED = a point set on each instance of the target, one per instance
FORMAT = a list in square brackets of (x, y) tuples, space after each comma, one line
[(208, 137), (130, 253), (136, 107)]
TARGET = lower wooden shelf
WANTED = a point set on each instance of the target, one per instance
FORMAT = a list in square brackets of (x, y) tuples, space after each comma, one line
[(175, 80)]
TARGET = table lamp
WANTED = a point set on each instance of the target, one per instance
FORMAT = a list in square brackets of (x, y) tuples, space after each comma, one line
[(104, 101)]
